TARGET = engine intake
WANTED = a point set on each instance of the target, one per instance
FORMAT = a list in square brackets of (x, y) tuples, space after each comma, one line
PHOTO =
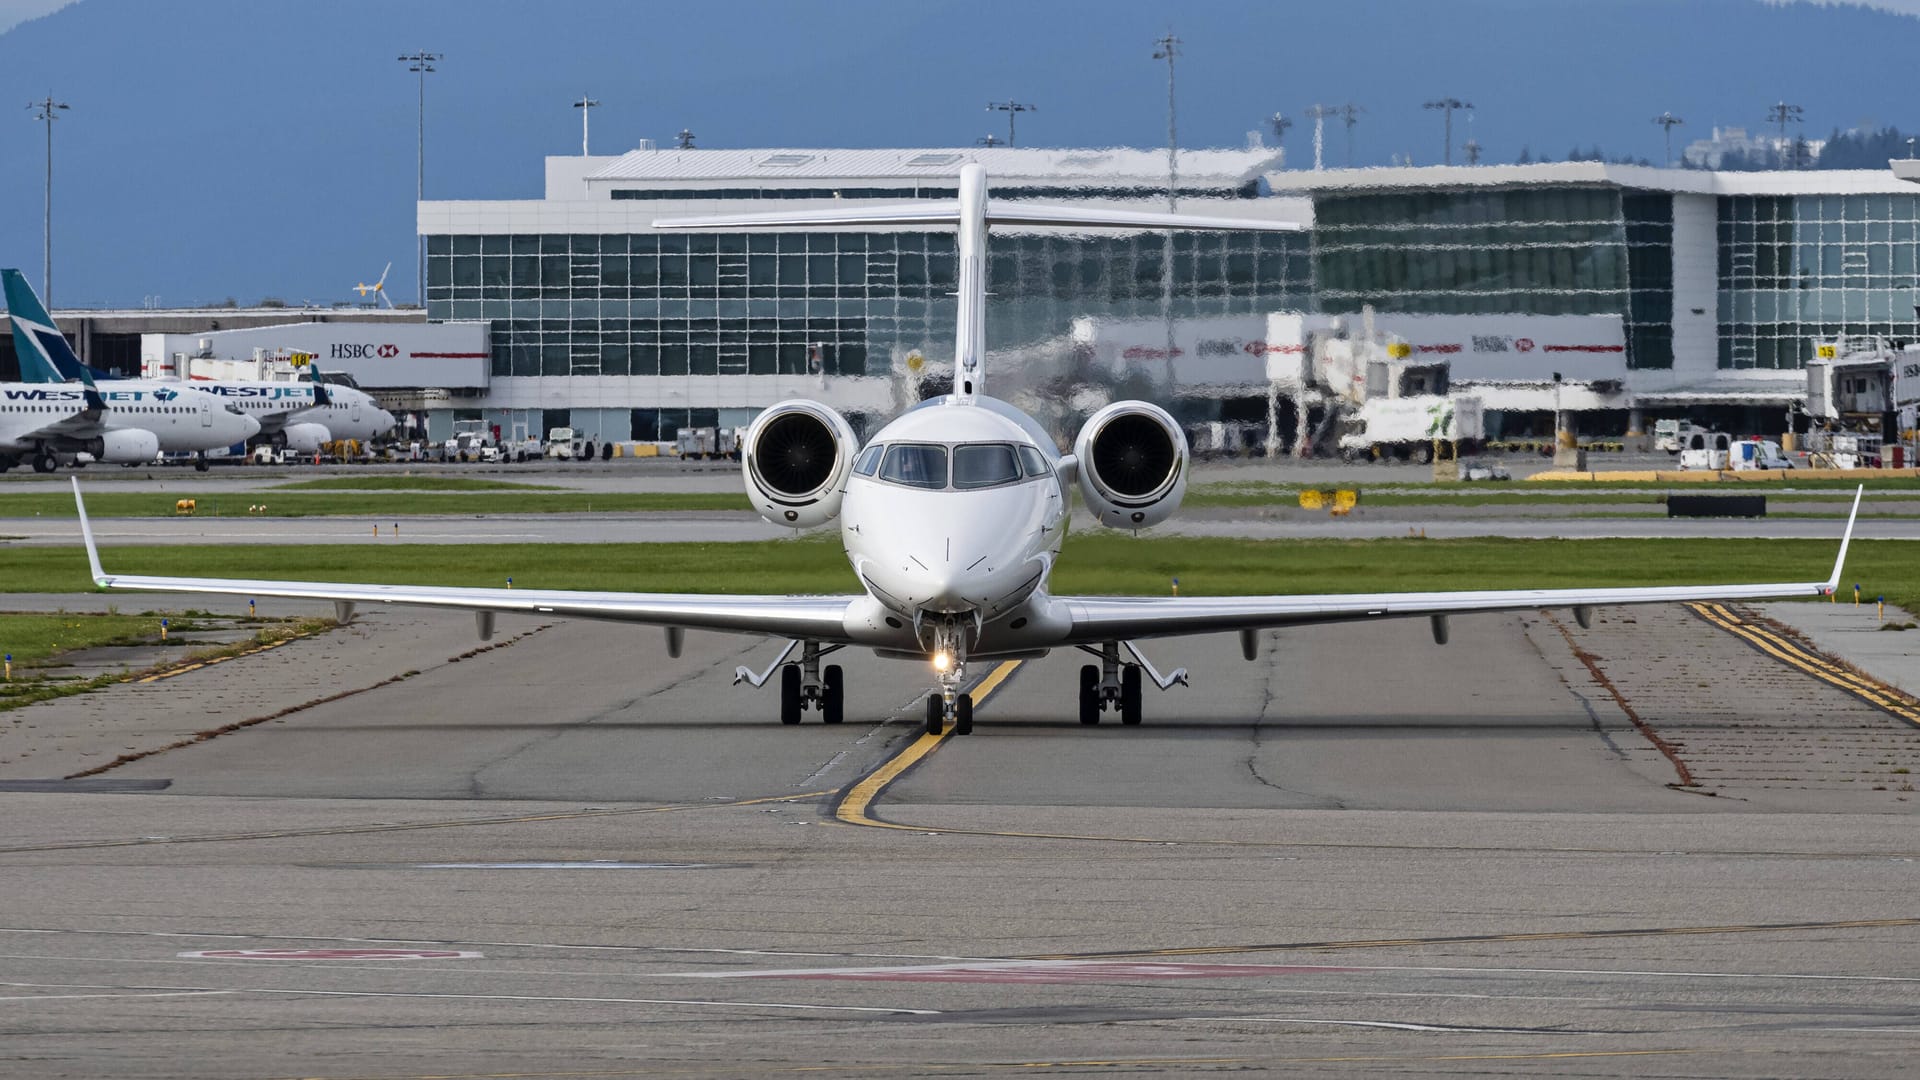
[(1132, 464), (795, 460)]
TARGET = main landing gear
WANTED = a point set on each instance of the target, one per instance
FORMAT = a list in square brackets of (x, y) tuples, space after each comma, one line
[(1111, 684), (44, 462), (804, 683)]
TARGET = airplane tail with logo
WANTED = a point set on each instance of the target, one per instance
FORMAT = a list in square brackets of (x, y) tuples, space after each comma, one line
[(45, 356), (321, 396)]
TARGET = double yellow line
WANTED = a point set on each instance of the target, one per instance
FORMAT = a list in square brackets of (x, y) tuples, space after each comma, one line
[(1797, 656), (853, 808)]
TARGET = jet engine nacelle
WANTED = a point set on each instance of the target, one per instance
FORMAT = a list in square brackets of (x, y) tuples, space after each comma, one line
[(1132, 464), (124, 446), (795, 459), (306, 438)]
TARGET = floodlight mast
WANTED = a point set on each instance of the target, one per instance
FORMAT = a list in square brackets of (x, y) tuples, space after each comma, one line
[(1012, 108), (1448, 105), (1350, 115), (1782, 113), (585, 105), (1319, 114), (49, 111), (1668, 122), (421, 62)]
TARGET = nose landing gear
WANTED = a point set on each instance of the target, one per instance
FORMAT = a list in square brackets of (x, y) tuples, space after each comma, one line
[(949, 666)]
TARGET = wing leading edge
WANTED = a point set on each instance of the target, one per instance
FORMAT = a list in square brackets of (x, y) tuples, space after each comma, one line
[(1097, 618), (820, 618)]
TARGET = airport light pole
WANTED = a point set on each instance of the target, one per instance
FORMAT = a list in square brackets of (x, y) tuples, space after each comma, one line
[(1012, 108), (1350, 115), (1782, 113), (1319, 113), (49, 111), (1668, 122), (1447, 105), (585, 105), (422, 63)]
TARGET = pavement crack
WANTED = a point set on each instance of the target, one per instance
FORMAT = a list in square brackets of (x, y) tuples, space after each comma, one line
[(1258, 734)]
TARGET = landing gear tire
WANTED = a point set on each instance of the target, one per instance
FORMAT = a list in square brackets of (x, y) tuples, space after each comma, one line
[(832, 695), (200, 462), (1090, 694), (1130, 695), (963, 715), (44, 463), (790, 701), (936, 714)]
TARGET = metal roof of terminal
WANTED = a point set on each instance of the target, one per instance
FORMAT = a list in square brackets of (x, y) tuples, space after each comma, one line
[(1110, 165), (1591, 173)]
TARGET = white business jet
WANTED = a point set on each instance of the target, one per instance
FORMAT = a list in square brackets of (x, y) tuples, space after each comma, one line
[(952, 517), (129, 422)]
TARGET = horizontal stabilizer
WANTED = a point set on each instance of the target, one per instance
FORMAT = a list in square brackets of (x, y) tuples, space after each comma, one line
[(947, 214)]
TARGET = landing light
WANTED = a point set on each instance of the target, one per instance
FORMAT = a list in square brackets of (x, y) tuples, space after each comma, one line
[(942, 660)]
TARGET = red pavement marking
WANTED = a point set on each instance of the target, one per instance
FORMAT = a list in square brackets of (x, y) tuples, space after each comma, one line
[(329, 954), (1052, 971)]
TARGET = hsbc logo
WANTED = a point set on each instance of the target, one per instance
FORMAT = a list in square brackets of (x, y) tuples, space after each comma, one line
[(1523, 344), (360, 351)]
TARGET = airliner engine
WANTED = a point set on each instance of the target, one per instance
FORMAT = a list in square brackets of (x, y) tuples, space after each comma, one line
[(1133, 464), (305, 438), (796, 458), (124, 446)]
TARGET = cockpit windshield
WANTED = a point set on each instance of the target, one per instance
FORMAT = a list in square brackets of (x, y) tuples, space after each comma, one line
[(983, 465), (920, 465)]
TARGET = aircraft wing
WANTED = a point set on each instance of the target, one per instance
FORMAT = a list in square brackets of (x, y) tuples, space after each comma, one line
[(819, 618), (81, 425), (1102, 618)]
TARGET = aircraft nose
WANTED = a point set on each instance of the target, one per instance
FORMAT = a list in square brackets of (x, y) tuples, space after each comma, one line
[(249, 427)]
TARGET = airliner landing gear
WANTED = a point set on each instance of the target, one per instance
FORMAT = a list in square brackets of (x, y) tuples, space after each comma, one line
[(949, 666), (200, 461), (1114, 685), (805, 683), (44, 462)]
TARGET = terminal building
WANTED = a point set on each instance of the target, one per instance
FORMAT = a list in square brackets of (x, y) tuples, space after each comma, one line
[(1716, 286)]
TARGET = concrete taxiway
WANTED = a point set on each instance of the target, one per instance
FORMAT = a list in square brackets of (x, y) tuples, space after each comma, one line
[(1647, 847)]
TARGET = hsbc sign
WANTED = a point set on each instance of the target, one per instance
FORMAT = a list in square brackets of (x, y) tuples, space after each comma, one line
[(380, 355)]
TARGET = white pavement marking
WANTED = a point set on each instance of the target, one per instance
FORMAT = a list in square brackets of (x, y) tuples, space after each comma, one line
[(79, 997), (188, 990), (1398, 1025), (595, 864)]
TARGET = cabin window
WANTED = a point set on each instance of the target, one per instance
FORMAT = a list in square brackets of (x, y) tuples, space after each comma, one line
[(868, 461), (1034, 461)]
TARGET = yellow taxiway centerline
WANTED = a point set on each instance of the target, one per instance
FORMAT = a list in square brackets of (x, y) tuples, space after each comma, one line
[(853, 808)]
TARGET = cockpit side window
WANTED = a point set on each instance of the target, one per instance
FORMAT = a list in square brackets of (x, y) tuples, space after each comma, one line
[(1034, 462), (916, 465), (984, 465), (868, 461)]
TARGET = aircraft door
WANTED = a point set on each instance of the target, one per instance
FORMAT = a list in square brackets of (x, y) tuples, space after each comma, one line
[(206, 412)]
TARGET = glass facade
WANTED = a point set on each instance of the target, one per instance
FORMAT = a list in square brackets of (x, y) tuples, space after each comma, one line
[(756, 303), (1538, 251), (1797, 268)]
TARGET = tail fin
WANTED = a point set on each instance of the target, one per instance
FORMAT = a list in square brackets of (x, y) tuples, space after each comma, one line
[(972, 214), (44, 354)]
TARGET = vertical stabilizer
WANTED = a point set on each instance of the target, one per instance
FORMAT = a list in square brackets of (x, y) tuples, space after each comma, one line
[(970, 334), (45, 356)]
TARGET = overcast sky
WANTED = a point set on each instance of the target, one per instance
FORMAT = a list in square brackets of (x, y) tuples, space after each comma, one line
[(254, 148)]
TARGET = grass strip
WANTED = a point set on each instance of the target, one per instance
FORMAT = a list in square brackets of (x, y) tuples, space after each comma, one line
[(376, 505), (36, 639), (410, 483)]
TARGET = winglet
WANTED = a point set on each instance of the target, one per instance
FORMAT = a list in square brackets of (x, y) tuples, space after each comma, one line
[(86, 534), (1833, 583)]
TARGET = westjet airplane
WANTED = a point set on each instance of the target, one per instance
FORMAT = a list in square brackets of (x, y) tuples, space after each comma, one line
[(297, 415), (953, 516), (130, 422)]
